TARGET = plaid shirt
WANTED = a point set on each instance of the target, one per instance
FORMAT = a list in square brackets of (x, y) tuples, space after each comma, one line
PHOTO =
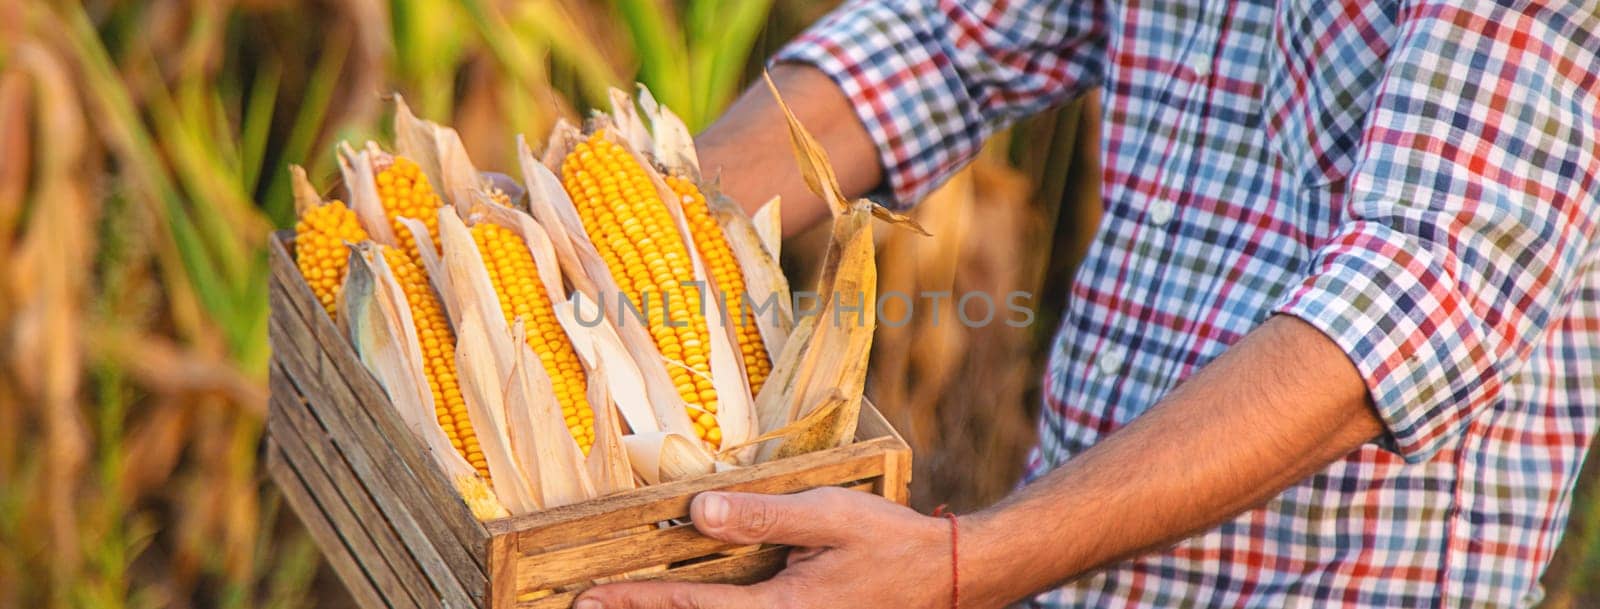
[(1416, 179)]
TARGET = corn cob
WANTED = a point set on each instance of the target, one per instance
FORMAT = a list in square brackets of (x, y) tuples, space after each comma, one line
[(636, 236), (713, 246), (516, 282), (406, 193), (438, 344), (319, 238)]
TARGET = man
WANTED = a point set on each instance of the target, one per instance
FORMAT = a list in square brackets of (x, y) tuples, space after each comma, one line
[(1337, 343)]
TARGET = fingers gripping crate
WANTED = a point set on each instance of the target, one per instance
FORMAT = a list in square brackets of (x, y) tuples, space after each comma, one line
[(390, 524)]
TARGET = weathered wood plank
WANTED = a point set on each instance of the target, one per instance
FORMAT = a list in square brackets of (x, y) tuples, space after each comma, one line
[(339, 490), (895, 485), (562, 525), (503, 559), (393, 490), (624, 554), (747, 568), (333, 546), (292, 299)]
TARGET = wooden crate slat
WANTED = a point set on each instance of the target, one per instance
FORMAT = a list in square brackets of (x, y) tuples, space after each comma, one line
[(746, 568), (396, 496), (436, 498), (895, 485), (623, 554), (304, 441), (340, 556), (351, 408), (670, 501)]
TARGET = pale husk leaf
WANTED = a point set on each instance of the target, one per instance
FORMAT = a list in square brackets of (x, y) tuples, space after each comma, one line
[(483, 390), (433, 265), (383, 333), (362, 184), (564, 136), (769, 226), (306, 197), (553, 210), (830, 362), (608, 458), (834, 357), (539, 435), (673, 143), (597, 343), (485, 359), (664, 457), (414, 139), (818, 171), (438, 150), (626, 119)]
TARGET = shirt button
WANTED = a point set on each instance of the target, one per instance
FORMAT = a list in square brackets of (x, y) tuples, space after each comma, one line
[(1201, 64), (1160, 212), (1110, 361)]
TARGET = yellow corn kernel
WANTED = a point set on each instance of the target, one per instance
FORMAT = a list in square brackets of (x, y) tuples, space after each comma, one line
[(637, 238), (516, 282), (480, 498), (713, 246), (438, 344), (319, 250), (406, 193)]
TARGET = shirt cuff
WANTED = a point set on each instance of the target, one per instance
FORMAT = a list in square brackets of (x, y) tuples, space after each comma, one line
[(911, 103), (1387, 299)]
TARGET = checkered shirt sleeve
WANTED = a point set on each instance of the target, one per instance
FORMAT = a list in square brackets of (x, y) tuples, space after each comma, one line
[(933, 79), (1473, 205)]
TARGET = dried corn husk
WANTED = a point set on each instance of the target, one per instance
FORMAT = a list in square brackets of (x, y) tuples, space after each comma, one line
[(673, 145), (592, 280), (362, 184), (539, 435), (820, 376), (664, 457), (769, 227), (597, 341), (608, 461), (483, 390), (380, 327), (438, 150), (625, 118), (530, 417)]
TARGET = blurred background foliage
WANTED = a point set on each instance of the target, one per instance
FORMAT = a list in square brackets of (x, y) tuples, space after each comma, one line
[(142, 155)]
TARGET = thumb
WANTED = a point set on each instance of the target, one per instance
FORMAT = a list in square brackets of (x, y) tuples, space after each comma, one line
[(817, 518)]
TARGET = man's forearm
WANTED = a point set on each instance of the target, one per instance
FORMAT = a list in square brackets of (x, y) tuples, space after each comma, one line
[(1279, 406), (748, 148)]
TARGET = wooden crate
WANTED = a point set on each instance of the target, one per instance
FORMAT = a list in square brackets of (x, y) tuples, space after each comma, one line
[(390, 524)]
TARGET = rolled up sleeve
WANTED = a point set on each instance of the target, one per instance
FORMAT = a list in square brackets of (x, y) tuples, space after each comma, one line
[(1472, 210), (931, 80)]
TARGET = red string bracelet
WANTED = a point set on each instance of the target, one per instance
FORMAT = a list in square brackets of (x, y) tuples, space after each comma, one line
[(955, 560)]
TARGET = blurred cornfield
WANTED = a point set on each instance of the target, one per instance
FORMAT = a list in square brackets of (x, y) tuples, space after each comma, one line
[(142, 156)]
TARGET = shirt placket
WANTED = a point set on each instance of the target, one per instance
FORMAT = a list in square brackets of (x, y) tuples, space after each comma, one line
[(1152, 249)]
